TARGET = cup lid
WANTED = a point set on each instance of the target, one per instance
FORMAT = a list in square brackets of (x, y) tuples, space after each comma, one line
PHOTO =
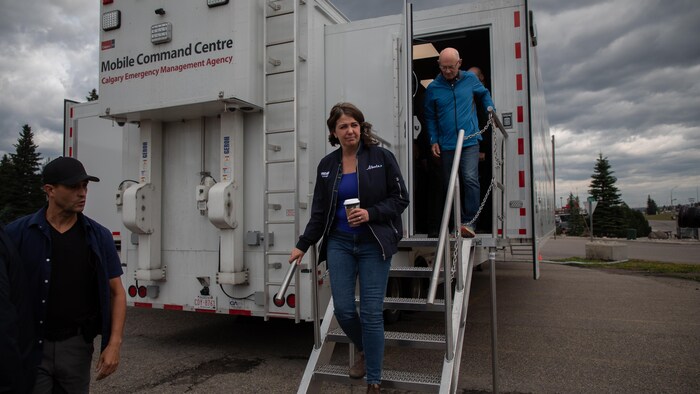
[(351, 201)]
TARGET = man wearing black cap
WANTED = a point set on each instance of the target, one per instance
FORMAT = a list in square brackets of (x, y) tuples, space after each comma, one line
[(73, 286)]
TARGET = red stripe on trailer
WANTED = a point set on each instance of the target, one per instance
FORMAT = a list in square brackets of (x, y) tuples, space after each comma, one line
[(205, 310), (70, 132), (143, 304), (70, 151), (521, 146), (240, 312), (522, 231), (518, 51), (521, 178), (522, 211), (172, 307), (116, 233), (71, 112), (500, 231), (520, 114), (516, 19), (519, 81)]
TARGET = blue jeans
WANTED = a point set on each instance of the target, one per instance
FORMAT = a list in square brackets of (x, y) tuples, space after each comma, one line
[(350, 256), (468, 179)]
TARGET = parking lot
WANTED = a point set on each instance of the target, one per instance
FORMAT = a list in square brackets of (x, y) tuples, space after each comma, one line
[(574, 330)]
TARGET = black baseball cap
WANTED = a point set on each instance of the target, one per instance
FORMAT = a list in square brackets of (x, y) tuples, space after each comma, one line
[(66, 171)]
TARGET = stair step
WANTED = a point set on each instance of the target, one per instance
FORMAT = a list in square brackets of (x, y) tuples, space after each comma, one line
[(391, 379), (412, 272), (411, 304), (398, 338)]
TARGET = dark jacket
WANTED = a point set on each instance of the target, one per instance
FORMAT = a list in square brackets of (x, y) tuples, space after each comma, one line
[(15, 371), (382, 193), (31, 235)]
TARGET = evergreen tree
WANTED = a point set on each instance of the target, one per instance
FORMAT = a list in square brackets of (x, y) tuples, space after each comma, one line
[(608, 218), (25, 192), (636, 220), (6, 184), (92, 95), (577, 223), (652, 209)]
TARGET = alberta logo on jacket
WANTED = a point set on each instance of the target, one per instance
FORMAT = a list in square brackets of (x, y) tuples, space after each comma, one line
[(374, 166)]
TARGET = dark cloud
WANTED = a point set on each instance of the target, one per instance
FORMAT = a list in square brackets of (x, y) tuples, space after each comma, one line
[(621, 77)]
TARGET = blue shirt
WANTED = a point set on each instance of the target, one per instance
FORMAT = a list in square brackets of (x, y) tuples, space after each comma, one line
[(32, 237), (347, 189)]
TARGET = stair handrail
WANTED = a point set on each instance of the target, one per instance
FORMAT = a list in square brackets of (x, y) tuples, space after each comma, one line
[(442, 239), (497, 121), (285, 283)]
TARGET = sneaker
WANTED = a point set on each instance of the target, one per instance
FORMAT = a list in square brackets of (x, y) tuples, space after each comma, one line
[(357, 371), (467, 231), (374, 388)]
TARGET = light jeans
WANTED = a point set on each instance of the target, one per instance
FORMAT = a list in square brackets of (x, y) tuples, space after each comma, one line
[(468, 179), (350, 256)]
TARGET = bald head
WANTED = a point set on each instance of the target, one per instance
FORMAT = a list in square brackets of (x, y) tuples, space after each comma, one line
[(449, 55), (449, 63)]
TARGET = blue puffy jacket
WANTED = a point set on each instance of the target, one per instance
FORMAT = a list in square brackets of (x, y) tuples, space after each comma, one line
[(450, 106)]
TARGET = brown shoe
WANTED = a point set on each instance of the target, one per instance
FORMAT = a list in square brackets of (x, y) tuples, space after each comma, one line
[(375, 388), (357, 371), (467, 231)]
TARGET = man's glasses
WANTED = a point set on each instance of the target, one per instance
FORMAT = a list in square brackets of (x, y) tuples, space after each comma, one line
[(446, 68)]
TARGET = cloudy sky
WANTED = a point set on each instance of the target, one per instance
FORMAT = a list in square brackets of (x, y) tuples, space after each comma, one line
[(622, 79)]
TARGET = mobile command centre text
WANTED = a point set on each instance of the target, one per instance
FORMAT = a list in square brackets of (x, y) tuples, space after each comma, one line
[(141, 58)]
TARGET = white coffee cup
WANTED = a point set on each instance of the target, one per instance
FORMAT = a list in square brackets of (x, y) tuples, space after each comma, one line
[(350, 204)]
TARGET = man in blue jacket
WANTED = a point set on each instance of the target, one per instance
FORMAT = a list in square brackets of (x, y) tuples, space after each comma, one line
[(72, 286), (449, 107)]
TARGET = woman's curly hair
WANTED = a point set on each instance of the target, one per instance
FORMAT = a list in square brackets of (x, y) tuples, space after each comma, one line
[(352, 111)]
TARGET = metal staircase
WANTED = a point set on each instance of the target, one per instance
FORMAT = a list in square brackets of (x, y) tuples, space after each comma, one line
[(321, 367), (281, 140), (454, 261)]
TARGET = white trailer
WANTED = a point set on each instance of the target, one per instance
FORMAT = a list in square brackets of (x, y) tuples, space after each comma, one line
[(215, 122), (211, 120)]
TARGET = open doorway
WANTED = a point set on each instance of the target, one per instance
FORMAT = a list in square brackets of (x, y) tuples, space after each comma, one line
[(474, 47)]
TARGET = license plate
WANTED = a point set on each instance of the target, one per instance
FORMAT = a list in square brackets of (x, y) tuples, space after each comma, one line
[(205, 302)]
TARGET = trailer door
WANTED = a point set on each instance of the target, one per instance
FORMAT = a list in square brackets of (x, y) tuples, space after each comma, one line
[(369, 63)]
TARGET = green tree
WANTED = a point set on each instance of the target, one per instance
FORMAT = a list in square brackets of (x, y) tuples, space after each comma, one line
[(608, 218), (652, 208), (24, 190), (6, 184), (92, 95), (577, 224), (636, 220)]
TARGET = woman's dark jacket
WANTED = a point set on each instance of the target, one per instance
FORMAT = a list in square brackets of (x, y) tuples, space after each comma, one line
[(382, 193)]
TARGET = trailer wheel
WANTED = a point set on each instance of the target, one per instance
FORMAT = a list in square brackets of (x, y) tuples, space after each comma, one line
[(393, 289)]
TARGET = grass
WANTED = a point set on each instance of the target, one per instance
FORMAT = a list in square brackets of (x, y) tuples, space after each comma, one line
[(661, 216), (657, 268)]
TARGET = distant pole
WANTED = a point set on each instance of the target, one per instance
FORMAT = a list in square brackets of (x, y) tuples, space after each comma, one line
[(554, 184), (590, 218)]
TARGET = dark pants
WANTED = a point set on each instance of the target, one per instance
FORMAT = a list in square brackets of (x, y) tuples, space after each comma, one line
[(65, 366)]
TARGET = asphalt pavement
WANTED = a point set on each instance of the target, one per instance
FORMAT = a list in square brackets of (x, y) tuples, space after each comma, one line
[(575, 330)]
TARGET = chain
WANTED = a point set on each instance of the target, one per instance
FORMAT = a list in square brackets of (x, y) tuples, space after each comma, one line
[(458, 246), (483, 202), (482, 131)]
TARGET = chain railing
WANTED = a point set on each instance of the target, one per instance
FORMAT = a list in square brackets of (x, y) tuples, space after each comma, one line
[(452, 189)]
